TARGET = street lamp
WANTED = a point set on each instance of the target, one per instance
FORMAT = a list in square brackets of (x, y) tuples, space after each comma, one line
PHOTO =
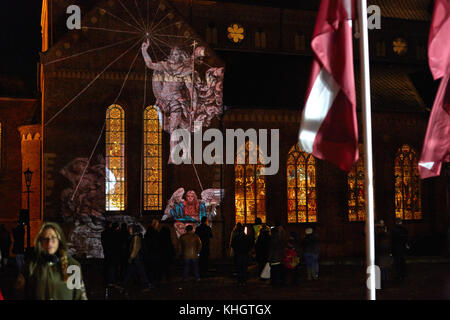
[(28, 175)]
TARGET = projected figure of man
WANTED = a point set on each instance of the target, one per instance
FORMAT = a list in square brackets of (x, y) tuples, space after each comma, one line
[(172, 85)]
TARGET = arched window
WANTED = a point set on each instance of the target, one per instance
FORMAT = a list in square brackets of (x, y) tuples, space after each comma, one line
[(301, 186), (211, 34), (260, 39), (381, 48), (249, 190), (299, 42), (115, 186), (356, 191), (407, 187), (152, 159)]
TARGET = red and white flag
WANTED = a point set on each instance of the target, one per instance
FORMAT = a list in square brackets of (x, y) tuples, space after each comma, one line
[(436, 147), (329, 127)]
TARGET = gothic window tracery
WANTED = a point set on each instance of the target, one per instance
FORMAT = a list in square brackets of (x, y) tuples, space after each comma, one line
[(301, 186), (115, 187), (152, 159), (408, 204), (250, 189)]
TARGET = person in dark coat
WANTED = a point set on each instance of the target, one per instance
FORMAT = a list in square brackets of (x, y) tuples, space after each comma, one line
[(19, 245), (205, 233), (5, 245), (399, 245), (106, 239), (167, 253), (310, 247), (241, 244), (153, 253), (276, 255), (123, 239), (383, 256), (262, 248), (135, 260)]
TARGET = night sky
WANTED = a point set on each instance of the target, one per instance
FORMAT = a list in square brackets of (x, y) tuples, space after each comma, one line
[(259, 80), (20, 45)]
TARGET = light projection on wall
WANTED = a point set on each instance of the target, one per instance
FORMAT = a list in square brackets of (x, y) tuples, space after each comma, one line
[(152, 159), (408, 204), (356, 193), (115, 159), (140, 41), (182, 92), (190, 210), (301, 186), (249, 189), (235, 33)]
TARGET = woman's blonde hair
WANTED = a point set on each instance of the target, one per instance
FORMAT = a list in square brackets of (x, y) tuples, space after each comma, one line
[(62, 246)]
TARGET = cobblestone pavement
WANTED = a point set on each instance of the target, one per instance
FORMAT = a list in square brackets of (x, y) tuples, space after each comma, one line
[(425, 281)]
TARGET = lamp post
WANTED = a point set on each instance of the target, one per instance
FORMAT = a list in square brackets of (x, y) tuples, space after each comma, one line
[(28, 175)]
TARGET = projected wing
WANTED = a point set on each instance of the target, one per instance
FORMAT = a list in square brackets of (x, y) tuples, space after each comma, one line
[(212, 196), (176, 197)]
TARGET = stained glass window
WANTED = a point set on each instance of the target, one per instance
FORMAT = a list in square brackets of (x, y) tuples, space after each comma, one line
[(250, 190), (115, 159), (301, 186), (152, 159), (408, 204), (356, 191)]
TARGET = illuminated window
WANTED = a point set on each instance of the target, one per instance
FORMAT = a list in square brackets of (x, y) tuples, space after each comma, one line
[(260, 39), (235, 33), (301, 186), (250, 190), (115, 159), (211, 34), (381, 48), (400, 46), (299, 42), (407, 188), (152, 159), (356, 192)]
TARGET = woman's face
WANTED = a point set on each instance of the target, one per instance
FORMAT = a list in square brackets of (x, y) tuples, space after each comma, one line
[(50, 242)]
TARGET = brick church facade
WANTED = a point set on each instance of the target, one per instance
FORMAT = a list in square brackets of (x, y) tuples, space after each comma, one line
[(266, 55)]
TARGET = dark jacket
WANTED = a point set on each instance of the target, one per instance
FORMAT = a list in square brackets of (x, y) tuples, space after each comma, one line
[(19, 240), (399, 240), (262, 247), (277, 245), (5, 242), (167, 250), (241, 243), (205, 233), (152, 243), (310, 244)]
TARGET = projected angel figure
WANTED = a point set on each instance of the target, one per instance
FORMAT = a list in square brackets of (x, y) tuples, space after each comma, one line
[(190, 211)]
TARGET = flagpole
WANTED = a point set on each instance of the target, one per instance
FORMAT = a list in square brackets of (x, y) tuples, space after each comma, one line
[(367, 136)]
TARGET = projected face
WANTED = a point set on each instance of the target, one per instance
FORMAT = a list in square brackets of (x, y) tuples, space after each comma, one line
[(175, 56), (190, 197)]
